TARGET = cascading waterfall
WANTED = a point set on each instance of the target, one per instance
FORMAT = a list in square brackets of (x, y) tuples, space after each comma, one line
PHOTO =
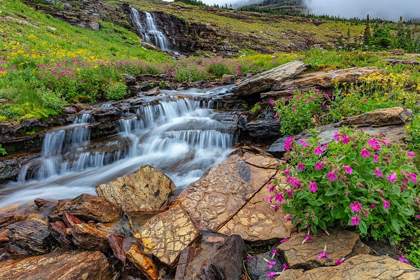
[(180, 137), (151, 31)]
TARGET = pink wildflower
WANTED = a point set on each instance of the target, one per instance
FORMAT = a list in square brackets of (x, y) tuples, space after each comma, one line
[(303, 143), (273, 274), (378, 173), (418, 216), (307, 238), (355, 207), (285, 267), (323, 254), (373, 205), (280, 197), (274, 253), (386, 203), (284, 240), (375, 158), (289, 193), (364, 153), (355, 220), (300, 166), (413, 177), (271, 102), (270, 188), (340, 261), (286, 171), (332, 176), (288, 218), (313, 187), (270, 263), (348, 170), (318, 166), (318, 151), (288, 143), (392, 178), (403, 259)]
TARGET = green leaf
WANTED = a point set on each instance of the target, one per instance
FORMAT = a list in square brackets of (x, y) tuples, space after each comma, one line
[(331, 192), (395, 225), (363, 227)]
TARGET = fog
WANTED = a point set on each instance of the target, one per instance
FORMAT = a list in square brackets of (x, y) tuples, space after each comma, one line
[(386, 9)]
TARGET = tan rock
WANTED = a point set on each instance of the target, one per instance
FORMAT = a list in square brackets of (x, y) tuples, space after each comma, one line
[(58, 266), (167, 234), (257, 221), (359, 267), (291, 274), (145, 190), (226, 188), (340, 244), (266, 80), (380, 117), (87, 207), (143, 263), (228, 79), (88, 237)]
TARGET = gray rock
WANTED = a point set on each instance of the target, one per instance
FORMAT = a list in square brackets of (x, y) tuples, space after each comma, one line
[(258, 269)]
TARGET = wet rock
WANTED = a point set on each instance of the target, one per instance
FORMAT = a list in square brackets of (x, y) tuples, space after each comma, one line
[(359, 267), (185, 259), (145, 190), (326, 79), (257, 267), (228, 79), (225, 262), (153, 92), (258, 222), (116, 242), (57, 266), (87, 207), (263, 128), (88, 237), (11, 166), (71, 220), (147, 267), (266, 80), (60, 232), (30, 235), (42, 203), (340, 244), (167, 234), (389, 123), (211, 204), (129, 80), (69, 110)]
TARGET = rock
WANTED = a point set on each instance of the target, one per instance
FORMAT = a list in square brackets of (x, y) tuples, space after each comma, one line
[(257, 268), (266, 80), (401, 61), (69, 110), (88, 237), (326, 79), (211, 204), (143, 263), (58, 266), (30, 235), (60, 232), (153, 92), (225, 263), (145, 190), (340, 244), (389, 123), (359, 267), (10, 166), (397, 52), (185, 258), (263, 128), (167, 234), (291, 274), (71, 220), (228, 79), (42, 203), (87, 207), (258, 222), (116, 242)]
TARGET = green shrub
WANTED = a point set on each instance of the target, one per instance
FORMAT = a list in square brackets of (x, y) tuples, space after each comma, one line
[(116, 91), (355, 181), (51, 100), (2, 150)]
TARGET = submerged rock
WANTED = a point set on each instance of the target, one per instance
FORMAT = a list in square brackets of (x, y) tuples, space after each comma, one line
[(87, 207), (358, 267), (266, 80), (167, 234), (145, 190), (58, 266)]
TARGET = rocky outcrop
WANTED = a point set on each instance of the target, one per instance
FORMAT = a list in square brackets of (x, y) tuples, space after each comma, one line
[(401, 61), (58, 266), (339, 244), (167, 234), (10, 166), (390, 123), (224, 190), (87, 207), (145, 190), (269, 79), (358, 267)]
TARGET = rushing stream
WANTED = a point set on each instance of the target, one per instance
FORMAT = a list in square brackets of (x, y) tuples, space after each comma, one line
[(183, 137)]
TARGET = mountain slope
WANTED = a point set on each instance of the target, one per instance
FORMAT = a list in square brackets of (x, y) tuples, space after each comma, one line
[(290, 7)]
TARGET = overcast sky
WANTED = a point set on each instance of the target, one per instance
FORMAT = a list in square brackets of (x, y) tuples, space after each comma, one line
[(388, 9)]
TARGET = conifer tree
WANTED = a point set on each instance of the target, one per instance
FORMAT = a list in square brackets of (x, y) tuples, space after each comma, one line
[(367, 34)]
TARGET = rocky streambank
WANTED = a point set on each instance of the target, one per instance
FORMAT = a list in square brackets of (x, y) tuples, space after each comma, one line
[(144, 226)]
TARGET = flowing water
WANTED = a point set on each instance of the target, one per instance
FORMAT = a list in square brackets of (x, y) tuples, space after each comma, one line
[(150, 33), (182, 137)]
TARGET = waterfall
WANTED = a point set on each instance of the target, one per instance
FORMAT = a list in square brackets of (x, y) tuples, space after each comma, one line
[(180, 136), (151, 31)]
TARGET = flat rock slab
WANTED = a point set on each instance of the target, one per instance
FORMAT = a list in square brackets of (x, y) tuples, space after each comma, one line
[(258, 221), (58, 266), (87, 236), (364, 267), (145, 190), (388, 122), (30, 235), (266, 80), (87, 207), (340, 244), (223, 190), (167, 234)]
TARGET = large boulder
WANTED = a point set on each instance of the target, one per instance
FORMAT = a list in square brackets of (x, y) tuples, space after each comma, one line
[(58, 266), (358, 267), (257, 221), (389, 123), (266, 80), (145, 190), (340, 244), (167, 234), (224, 190), (87, 207)]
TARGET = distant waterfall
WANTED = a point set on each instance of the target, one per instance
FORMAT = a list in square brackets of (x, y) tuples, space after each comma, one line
[(150, 33)]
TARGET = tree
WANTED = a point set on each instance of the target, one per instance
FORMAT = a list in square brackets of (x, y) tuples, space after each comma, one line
[(367, 34)]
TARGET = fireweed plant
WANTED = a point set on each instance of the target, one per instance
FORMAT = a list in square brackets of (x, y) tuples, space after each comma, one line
[(355, 181)]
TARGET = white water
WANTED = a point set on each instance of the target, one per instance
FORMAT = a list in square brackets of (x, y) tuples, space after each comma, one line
[(177, 136), (151, 33)]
